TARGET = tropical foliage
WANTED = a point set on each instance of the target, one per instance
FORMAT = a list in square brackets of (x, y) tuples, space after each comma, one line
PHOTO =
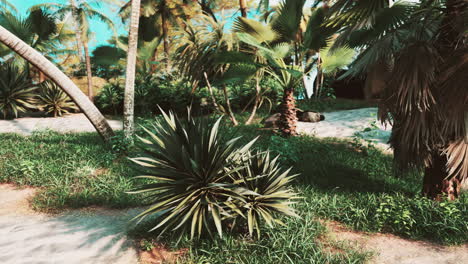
[(423, 46), (53, 100), (16, 91), (200, 185)]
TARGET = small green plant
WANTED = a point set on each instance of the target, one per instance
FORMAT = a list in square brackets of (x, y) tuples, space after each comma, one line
[(147, 244), (201, 185), (54, 101), (121, 144)]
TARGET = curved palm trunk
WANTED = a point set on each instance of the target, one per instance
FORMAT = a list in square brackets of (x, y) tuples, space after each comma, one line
[(129, 108), (256, 103), (288, 121), (50, 70)]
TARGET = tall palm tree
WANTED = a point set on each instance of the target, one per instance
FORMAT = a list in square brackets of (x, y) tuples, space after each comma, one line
[(131, 65), (48, 68), (424, 47), (81, 12), (157, 19)]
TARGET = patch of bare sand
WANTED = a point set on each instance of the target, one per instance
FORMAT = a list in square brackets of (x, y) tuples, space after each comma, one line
[(15, 201), (92, 235), (391, 249)]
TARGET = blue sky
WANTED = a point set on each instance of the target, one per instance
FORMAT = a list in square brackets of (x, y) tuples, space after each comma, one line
[(101, 32)]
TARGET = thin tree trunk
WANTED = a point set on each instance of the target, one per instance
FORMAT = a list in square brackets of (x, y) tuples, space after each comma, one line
[(165, 29), (210, 89), (78, 31), (437, 184), (89, 73), (243, 7), (318, 78), (49, 69), (257, 101), (288, 121), (129, 97), (229, 108)]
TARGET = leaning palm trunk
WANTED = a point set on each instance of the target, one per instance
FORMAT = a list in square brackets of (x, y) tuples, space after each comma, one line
[(229, 108), (288, 122), (129, 97), (50, 70)]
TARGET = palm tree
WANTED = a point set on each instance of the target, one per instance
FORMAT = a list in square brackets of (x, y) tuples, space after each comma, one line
[(424, 47), (48, 68), (131, 65), (39, 30), (157, 18), (287, 45), (81, 13)]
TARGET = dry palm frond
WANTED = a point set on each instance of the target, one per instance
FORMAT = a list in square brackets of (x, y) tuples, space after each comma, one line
[(457, 153)]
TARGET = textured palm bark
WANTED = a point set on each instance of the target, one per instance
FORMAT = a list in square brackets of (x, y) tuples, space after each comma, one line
[(78, 33), (437, 180), (243, 7), (437, 184), (288, 121), (67, 85), (89, 73), (165, 29), (129, 97)]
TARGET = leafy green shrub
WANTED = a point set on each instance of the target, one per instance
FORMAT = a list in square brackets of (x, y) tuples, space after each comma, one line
[(200, 184), (54, 100), (16, 91), (110, 99)]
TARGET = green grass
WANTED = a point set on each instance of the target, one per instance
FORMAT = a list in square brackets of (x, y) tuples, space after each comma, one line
[(337, 182), (72, 170)]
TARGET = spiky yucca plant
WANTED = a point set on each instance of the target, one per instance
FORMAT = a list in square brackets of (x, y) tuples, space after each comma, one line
[(54, 100), (270, 186), (194, 177), (16, 91)]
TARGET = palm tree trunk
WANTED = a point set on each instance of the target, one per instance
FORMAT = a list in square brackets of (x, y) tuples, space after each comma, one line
[(437, 184), (49, 69), (288, 122), (129, 97), (207, 9), (165, 29), (79, 33), (243, 7), (437, 181), (89, 72)]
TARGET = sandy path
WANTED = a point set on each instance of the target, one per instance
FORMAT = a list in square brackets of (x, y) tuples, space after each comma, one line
[(391, 249), (66, 124), (93, 236), (345, 124)]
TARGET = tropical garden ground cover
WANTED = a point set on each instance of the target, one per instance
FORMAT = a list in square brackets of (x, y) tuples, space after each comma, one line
[(355, 187)]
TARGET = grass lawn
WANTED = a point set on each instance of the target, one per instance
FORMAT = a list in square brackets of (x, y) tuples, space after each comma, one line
[(337, 182)]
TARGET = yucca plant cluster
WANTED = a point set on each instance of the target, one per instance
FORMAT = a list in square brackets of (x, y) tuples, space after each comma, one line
[(200, 184), (18, 94)]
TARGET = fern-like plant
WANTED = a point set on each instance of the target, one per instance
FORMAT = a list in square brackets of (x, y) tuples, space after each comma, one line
[(53, 100), (197, 181), (16, 91)]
